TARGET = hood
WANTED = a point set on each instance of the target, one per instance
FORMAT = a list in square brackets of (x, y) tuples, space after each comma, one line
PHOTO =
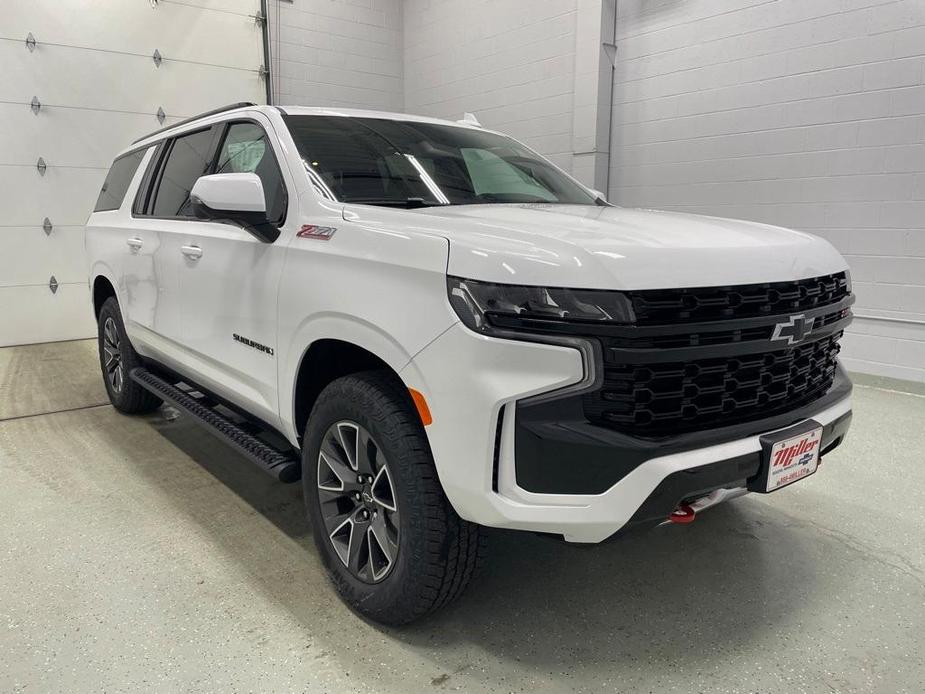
[(590, 247)]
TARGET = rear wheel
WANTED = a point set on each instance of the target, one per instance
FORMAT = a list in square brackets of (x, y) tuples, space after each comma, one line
[(117, 359), (392, 544)]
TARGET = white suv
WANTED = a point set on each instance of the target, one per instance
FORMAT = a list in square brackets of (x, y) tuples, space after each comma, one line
[(438, 330)]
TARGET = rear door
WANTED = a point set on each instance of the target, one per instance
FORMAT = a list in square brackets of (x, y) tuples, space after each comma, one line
[(116, 248), (163, 213), (229, 280)]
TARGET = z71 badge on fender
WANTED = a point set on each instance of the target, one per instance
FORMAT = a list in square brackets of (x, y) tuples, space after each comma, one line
[(250, 343), (310, 231)]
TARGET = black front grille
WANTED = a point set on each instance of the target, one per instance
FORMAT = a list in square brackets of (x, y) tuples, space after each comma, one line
[(662, 399), (666, 306), (697, 359)]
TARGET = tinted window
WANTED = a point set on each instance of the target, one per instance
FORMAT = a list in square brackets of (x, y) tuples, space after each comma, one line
[(117, 181), (405, 163), (246, 150), (187, 160)]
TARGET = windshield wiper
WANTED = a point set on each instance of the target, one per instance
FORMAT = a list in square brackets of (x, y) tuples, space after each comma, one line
[(406, 203)]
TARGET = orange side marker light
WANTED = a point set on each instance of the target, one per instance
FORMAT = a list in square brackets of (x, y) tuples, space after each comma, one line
[(421, 404)]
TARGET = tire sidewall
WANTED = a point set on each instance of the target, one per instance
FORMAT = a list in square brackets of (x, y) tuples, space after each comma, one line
[(132, 399), (111, 310), (350, 399)]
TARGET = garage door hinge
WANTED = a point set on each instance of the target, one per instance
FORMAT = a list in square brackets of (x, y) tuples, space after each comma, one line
[(47, 226), (41, 166), (156, 57), (263, 72), (161, 116), (30, 42), (259, 18), (53, 285), (35, 105)]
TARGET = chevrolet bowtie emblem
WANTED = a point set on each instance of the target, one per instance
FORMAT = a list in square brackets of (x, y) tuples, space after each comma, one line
[(794, 330)]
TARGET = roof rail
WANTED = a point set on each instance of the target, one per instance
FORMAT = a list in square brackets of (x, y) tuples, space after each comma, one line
[(222, 109)]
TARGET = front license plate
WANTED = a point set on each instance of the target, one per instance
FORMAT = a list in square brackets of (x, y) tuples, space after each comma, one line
[(793, 458)]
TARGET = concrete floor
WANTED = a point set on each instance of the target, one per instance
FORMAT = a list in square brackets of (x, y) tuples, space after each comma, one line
[(139, 553)]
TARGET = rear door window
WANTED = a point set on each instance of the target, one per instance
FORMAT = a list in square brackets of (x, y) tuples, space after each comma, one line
[(117, 181), (188, 159)]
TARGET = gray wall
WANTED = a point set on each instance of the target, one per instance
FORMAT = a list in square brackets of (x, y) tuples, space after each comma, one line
[(803, 114), (514, 69), (344, 53)]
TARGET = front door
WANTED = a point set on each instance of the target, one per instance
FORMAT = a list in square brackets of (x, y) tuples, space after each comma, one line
[(229, 282)]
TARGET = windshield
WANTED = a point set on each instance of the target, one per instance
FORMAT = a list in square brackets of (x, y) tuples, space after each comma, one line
[(406, 164)]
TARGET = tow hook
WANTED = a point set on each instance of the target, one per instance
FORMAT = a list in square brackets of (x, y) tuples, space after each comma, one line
[(683, 514), (687, 513)]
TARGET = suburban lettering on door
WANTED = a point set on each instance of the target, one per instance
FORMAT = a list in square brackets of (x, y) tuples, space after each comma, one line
[(250, 343)]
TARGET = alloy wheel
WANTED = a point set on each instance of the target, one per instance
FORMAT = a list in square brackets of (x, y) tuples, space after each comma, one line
[(358, 502), (115, 372)]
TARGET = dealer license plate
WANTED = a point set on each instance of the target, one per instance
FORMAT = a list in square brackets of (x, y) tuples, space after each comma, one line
[(793, 458)]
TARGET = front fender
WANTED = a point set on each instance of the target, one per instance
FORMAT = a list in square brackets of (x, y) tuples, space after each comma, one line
[(377, 288)]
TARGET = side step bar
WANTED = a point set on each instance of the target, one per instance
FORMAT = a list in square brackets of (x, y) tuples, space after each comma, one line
[(284, 466)]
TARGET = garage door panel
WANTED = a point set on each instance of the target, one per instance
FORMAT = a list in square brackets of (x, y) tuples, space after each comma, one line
[(115, 82), (70, 136), (60, 253), (65, 196), (34, 314), (134, 28), (207, 34), (248, 7)]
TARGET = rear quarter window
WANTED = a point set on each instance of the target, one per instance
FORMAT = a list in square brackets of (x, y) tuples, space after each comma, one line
[(117, 181)]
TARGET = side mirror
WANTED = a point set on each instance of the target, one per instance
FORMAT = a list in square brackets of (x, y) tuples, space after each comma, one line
[(598, 194), (234, 197)]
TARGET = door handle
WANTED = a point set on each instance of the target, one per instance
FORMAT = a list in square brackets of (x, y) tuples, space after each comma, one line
[(134, 243), (192, 252)]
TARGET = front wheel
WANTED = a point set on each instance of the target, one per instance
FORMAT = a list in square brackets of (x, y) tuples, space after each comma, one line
[(392, 544)]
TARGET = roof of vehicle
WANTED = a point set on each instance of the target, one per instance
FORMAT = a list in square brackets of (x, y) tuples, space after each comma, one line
[(231, 109), (363, 113)]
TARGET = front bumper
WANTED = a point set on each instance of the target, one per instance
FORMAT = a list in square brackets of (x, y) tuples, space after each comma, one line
[(581, 483)]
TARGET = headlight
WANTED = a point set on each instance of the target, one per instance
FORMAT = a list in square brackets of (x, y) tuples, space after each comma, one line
[(485, 307)]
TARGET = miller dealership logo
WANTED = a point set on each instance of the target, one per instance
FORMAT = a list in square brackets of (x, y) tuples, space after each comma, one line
[(794, 330), (250, 343)]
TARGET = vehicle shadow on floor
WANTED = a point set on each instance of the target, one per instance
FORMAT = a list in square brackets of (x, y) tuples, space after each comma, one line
[(674, 592), (668, 593), (279, 503)]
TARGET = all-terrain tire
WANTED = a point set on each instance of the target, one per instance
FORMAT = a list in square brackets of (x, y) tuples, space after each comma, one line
[(115, 348), (438, 552)]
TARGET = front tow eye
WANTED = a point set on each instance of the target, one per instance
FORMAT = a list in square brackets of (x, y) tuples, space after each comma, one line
[(683, 514)]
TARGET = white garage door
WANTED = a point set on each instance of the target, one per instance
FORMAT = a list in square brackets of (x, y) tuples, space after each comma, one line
[(102, 73)]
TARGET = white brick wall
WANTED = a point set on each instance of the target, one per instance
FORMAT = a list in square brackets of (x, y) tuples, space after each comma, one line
[(511, 62), (337, 53), (805, 114)]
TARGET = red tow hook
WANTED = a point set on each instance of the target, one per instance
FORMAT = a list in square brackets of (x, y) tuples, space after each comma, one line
[(683, 514)]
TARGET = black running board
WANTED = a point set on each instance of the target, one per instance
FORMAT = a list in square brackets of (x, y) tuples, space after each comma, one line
[(283, 466)]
